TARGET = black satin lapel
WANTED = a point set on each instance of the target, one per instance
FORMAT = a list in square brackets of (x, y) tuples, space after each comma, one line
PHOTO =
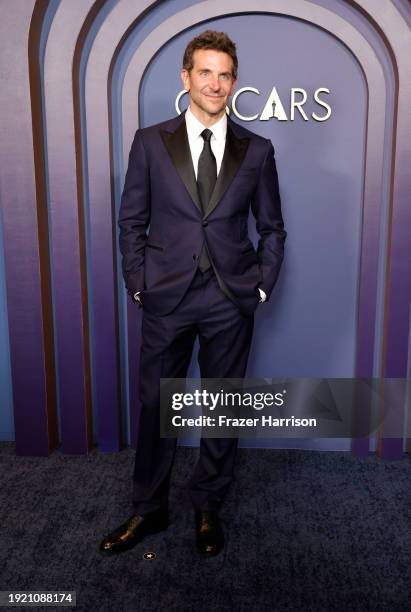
[(179, 150), (234, 153)]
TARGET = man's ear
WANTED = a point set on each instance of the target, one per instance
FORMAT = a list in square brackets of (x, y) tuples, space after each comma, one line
[(185, 77)]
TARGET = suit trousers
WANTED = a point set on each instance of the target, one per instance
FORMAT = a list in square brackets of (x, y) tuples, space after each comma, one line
[(224, 334)]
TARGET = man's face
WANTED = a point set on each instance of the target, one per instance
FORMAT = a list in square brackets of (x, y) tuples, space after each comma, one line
[(210, 82)]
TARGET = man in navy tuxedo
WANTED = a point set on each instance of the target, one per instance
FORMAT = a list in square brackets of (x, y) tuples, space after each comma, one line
[(189, 264)]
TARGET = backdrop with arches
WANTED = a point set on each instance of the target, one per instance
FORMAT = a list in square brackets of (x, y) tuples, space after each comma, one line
[(79, 77)]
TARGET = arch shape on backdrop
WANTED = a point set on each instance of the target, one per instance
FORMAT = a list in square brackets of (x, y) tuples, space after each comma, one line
[(363, 353), (111, 390), (67, 230), (96, 114), (26, 240), (332, 23), (100, 261)]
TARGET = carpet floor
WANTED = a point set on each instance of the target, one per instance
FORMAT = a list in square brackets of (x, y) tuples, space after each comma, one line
[(305, 530)]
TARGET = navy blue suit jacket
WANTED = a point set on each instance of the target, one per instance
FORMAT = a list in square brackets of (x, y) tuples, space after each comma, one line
[(162, 227)]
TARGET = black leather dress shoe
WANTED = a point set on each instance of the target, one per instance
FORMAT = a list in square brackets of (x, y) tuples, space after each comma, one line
[(209, 533), (132, 532)]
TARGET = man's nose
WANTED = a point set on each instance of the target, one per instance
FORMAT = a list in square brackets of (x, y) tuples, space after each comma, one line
[(215, 83)]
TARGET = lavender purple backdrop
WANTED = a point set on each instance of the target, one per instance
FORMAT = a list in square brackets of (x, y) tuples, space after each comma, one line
[(78, 77)]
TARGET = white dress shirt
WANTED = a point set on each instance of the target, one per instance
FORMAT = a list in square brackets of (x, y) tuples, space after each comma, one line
[(196, 143)]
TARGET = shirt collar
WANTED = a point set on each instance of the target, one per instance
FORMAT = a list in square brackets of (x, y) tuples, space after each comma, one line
[(195, 127)]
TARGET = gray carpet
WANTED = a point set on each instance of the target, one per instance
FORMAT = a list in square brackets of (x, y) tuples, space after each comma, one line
[(305, 530)]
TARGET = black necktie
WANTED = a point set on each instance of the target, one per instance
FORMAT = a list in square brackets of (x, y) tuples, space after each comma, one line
[(206, 180)]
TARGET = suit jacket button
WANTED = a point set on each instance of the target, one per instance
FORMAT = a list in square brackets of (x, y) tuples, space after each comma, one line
[(205, 223)]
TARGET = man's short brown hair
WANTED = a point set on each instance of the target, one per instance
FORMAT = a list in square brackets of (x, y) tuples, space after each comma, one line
[(210, 39)]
